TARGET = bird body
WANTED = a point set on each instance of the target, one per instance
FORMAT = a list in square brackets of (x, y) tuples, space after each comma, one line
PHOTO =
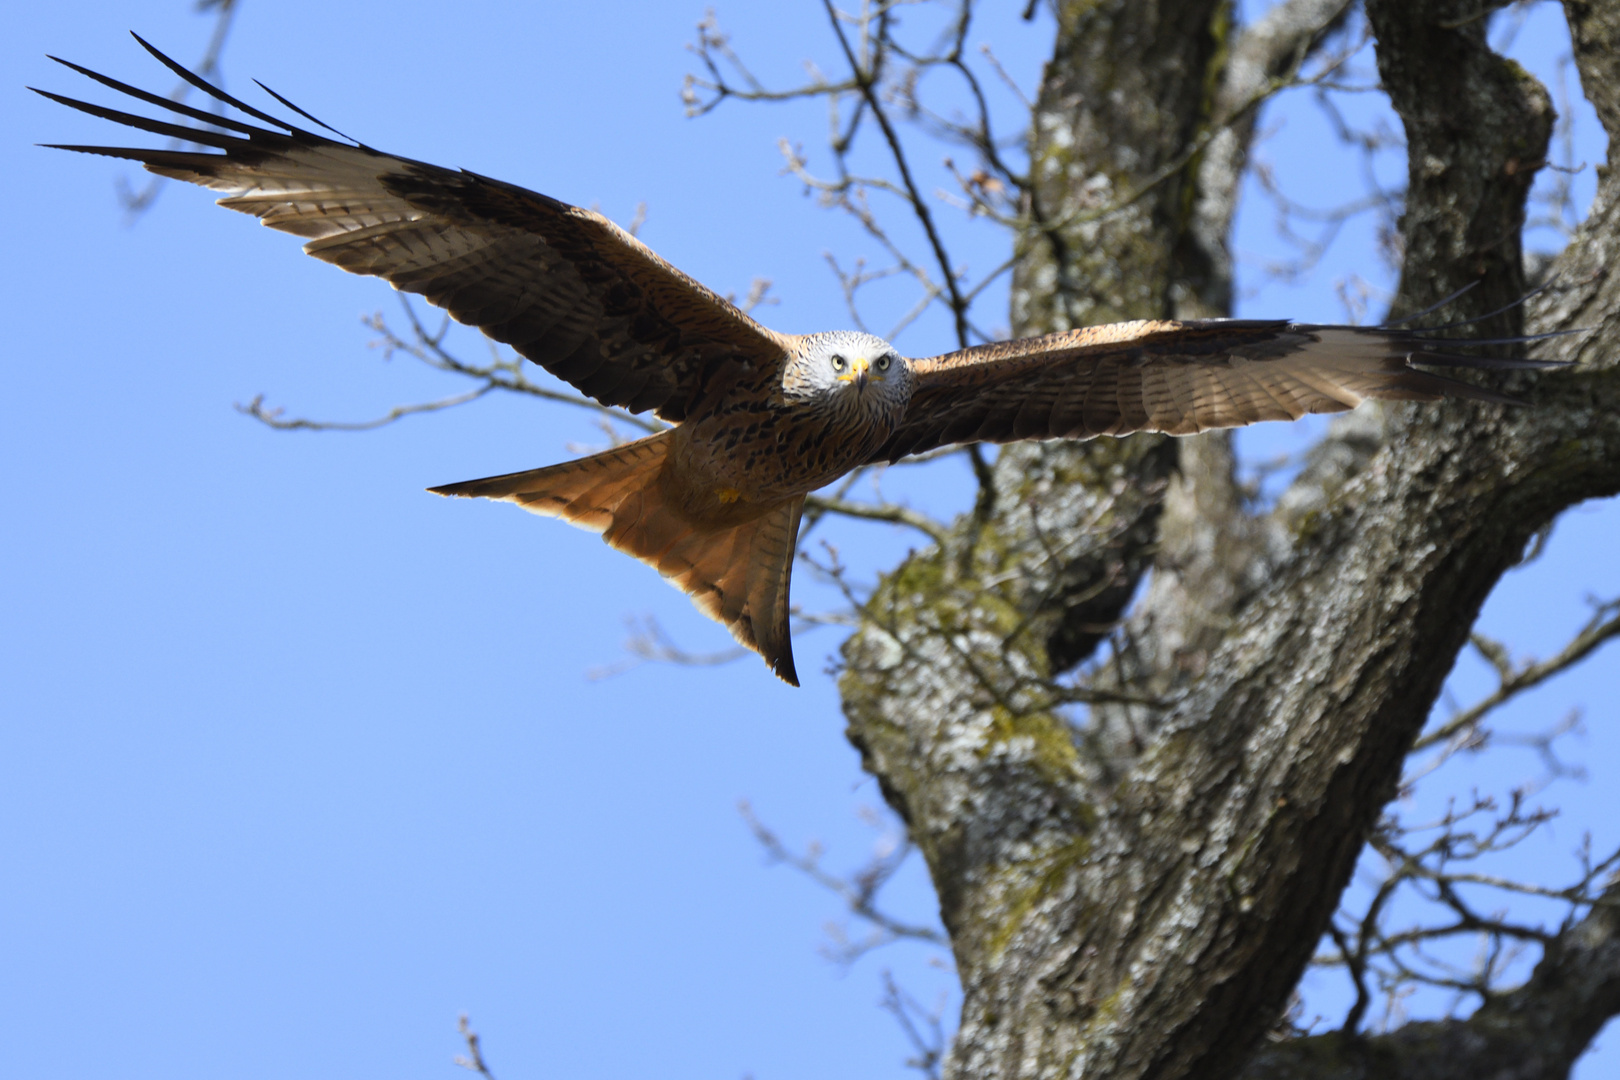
[(760, 418), (714, 503), (767, 434)]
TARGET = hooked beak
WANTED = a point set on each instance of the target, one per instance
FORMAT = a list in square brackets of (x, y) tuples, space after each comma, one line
[(859, 372)]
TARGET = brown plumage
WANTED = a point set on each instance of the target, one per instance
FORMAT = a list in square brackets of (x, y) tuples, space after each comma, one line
[(761, 418), (736, 573)]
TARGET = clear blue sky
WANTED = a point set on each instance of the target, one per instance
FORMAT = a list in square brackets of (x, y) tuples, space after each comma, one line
[(298, 762)]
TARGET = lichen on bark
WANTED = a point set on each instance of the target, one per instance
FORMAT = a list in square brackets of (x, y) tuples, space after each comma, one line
[(1142, 905)]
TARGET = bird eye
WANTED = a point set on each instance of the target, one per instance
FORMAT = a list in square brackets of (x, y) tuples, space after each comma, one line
[(839, 363), (882, 362)]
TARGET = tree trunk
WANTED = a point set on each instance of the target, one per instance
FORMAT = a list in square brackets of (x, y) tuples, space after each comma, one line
[(1138, 898)]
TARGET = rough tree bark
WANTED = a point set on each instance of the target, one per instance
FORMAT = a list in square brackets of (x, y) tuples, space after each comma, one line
[(1138, 899)]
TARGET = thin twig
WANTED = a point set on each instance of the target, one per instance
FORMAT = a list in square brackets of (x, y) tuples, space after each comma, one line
[(1602, 627), (473, 1059)]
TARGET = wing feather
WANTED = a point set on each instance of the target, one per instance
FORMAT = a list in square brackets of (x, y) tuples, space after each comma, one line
[(563, 286), (1175, 377)]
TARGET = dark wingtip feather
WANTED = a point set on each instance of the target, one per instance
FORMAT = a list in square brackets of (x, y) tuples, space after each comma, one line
[(218, 140), (1484, 363), (1423, 335), (210, 89), (103, 151), (175, 164), (314, 120), (155, 99), (1438, 304), (1477, 319)]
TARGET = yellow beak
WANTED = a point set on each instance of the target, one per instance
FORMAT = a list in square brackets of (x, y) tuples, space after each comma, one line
[(858, 372)]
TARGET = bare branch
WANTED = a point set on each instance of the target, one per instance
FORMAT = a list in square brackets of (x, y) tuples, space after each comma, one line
[(473, 1059), (507, 373), (866, 82), (649, 642), (274, 418), (899, 515), (923, 1028), (859, 891), (1602, 627), (758, 296), (713, 48)]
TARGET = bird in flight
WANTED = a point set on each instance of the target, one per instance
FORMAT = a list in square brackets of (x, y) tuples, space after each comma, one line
[(761, 419)]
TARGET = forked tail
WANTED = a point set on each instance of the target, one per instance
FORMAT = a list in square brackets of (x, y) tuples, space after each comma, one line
[(737, 574)]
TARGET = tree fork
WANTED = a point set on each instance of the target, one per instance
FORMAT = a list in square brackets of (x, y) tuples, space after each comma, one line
[(1155, 928)]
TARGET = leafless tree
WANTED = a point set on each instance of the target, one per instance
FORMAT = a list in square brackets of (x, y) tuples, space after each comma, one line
[(1141, 817)]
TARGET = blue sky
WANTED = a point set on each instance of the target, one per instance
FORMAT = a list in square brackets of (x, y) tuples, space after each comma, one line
[(298, 762)]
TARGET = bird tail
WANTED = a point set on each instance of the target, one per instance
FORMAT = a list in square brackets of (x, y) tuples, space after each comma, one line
[(738, 575)]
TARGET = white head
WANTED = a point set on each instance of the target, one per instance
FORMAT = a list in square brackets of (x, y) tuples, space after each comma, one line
[(848, 371)]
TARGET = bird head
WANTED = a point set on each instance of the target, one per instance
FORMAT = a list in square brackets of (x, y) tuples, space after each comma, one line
[(851, 370)]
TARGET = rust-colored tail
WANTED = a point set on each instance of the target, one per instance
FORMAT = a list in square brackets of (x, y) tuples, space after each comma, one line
[(737, 575)]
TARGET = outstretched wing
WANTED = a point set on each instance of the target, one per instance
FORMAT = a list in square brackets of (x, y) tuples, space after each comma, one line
[(563, 286), (1174, 377)]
